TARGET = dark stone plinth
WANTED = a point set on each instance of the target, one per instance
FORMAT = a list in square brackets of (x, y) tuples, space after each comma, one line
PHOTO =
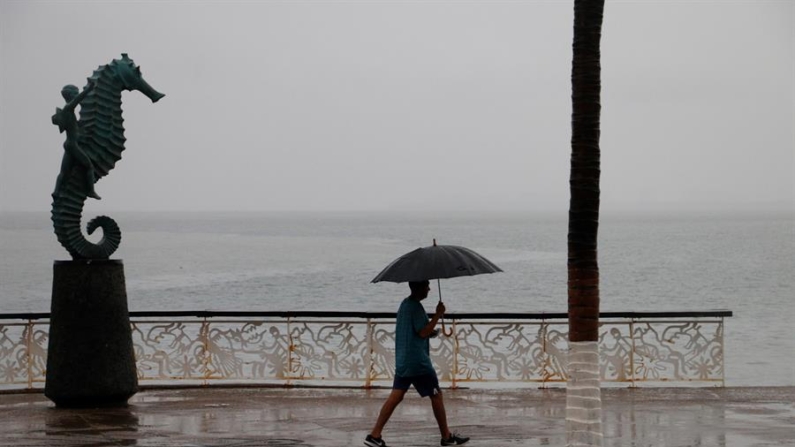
[(90, 359)]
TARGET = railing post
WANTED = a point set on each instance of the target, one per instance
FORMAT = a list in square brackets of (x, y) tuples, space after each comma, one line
[(544, 375), (290, 348), (454, 369), (722, 354), (632, 354), (204, 334), (28, 356), (369, 360)]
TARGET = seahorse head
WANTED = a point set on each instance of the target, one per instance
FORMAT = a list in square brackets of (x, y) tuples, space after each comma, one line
[(130, 76)]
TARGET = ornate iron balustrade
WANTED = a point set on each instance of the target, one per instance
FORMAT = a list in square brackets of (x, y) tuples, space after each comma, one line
[(357, 349)]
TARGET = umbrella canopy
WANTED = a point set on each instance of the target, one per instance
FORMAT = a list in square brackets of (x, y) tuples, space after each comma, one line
[(436, 262)]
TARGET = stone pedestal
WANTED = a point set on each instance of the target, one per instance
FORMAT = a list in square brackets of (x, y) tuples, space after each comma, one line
[(90, 359)]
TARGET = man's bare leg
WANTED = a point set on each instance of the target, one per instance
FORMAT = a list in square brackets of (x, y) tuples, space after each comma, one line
[(386, 411), (440, 414)]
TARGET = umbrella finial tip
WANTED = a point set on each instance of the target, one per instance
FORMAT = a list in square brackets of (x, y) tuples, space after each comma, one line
[(434, 242)]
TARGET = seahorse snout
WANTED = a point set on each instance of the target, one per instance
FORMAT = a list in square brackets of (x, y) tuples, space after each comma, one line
[(150, 92)]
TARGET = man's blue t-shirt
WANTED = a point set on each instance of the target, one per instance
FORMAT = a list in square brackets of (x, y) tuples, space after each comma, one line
[(412, 352)]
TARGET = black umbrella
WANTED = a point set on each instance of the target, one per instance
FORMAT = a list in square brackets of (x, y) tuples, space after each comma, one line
[(436, 262)]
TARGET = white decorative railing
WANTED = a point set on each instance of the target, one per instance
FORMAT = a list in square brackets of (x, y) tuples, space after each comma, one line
[(357, 349)]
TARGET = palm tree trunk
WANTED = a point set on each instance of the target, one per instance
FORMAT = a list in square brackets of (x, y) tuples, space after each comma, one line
[(583, 397)]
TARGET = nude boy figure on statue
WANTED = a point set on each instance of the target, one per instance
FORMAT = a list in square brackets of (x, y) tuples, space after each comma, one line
[(66, 121)]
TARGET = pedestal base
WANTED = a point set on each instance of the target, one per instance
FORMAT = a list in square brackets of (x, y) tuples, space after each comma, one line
[(90, 358)]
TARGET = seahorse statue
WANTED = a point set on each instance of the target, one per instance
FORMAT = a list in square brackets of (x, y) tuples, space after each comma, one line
[(93, 146)]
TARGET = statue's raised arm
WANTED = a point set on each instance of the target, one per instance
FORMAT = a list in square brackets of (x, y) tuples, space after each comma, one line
[(93, 146), (70, 105)]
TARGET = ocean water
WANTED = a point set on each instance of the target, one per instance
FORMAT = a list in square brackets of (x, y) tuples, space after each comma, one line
[(305, 261)]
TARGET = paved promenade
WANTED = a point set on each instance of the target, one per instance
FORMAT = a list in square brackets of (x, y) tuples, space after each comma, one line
[(735, 417)]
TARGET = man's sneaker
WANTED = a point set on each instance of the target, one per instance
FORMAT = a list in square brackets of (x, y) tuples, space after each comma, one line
[(455, 439), (376, 442)]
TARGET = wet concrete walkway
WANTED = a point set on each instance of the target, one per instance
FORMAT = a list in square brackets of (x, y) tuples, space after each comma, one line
[(736, 417)]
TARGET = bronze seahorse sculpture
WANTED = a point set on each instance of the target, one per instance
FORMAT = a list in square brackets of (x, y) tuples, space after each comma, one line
[(93, 146)]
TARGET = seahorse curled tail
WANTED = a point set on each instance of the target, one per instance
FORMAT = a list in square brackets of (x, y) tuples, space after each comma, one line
[(66, 211)]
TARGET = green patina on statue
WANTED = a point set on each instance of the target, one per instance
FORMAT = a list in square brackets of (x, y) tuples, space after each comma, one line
[(93, 146)]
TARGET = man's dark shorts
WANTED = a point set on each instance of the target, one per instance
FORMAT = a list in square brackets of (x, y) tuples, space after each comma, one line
[(426, 385)]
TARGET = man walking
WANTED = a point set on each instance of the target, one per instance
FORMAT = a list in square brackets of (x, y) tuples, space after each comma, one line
[(413, 364)]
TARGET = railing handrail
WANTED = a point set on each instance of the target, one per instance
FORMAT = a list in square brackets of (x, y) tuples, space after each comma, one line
[(721, 313)]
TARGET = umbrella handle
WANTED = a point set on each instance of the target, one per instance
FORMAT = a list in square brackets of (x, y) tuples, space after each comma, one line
[(439, 285), (444, 331)]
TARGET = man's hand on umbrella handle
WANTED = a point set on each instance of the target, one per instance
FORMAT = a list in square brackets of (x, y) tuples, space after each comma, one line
[(440, 309)]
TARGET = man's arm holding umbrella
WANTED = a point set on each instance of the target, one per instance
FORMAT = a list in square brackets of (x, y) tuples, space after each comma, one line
[(429, 330)]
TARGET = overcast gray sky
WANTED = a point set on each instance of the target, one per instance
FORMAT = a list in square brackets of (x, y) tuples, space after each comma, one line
[(376, 105)]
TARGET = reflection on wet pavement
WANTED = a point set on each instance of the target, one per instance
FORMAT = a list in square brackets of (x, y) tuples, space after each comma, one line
[(337, 417)]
